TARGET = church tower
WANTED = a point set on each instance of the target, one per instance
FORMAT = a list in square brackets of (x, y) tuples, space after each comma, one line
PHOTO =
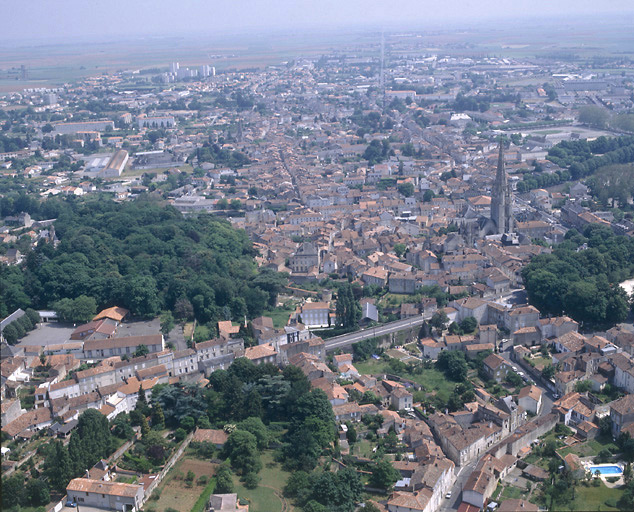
[(502, 199)]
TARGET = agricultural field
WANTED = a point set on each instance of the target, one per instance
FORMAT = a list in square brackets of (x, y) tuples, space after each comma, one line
[(178, 494)]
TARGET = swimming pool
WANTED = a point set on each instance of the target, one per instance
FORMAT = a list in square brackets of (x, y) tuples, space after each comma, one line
[(606, 470)]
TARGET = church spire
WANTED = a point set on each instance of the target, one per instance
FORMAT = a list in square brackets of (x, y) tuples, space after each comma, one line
[(501, 200)]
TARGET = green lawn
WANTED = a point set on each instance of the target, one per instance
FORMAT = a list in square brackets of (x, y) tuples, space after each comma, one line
[(593, 498), (433, 381), (279, 316), (363, 448), (513, 493), (264, 498), (590, 448)]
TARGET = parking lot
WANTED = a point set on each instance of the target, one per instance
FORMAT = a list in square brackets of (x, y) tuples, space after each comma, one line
[(51, 333)]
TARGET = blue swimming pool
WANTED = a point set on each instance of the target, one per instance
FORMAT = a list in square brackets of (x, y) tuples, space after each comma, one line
[(606, 470)]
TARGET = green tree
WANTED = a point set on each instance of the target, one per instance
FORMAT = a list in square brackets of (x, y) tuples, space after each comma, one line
[(36, 493), (406, 189), (258, 429), (12, 489), (469, 325), (453, 363), (158, 418), (348, 310), (399, 249), (224, 482), (594, 115), (167, 322), (241, 447), (549, 372), (10, 333), (188, 423), (77, 311), (439, 320), (384, 475), (141, 296), (58, 467)]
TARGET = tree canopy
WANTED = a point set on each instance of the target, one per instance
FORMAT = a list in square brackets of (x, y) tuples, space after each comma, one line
[(580, 278), (144, 256)]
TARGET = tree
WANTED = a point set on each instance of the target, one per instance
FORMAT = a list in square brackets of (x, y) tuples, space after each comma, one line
[(241, 447), (76, 311), (36, 493), (298, 482), (513, 379), (399, 249), (336, 491), (141, 296), (155, 446), (428, 195), (12, 488), (251, 480), (628, 473), (348, 310), (158, 418), (167, 322), (10, 333), (188, 423), (469, 325), (224, 482), (406, 189), (58, 467), (258, 429), (384, 475), (145, 428), (549, 372), (594, 115), (439, 320), (453, 363)]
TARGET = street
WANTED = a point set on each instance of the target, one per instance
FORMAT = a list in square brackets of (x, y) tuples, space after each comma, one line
[(465, 472)]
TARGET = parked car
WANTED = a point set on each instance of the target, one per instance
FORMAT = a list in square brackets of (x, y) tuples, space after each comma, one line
[(448, 495)]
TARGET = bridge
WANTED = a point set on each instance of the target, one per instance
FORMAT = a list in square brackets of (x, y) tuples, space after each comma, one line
[(346, 340)]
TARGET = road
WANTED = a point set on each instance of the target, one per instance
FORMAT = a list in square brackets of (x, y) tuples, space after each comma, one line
[(465, 472), (346, 340)]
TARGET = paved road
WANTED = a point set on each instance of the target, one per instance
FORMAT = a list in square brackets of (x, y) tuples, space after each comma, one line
[(346, 340), (465, 472)]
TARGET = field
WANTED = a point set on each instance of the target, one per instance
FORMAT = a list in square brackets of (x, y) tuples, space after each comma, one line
[(593, 498), (433, 381), (267, 497), (279, 315), (590, 448), (174, 491)]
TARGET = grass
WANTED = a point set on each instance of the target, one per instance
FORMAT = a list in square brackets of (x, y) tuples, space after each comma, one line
[(201, 504), (513, 493), (174, 491), (363, 448), (433, 381), (590, 448), (265, 497), (279, 315), (593, 498)]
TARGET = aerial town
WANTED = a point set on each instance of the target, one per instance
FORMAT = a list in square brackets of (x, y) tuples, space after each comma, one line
[(381, 278)]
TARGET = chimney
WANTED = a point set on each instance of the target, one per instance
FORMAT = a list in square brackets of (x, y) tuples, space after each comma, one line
[(87, 474)]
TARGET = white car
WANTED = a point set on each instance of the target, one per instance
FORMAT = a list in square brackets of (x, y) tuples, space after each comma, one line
[(448, 495)]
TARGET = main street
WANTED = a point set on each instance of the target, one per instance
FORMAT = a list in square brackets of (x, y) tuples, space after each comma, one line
[(465, 471)]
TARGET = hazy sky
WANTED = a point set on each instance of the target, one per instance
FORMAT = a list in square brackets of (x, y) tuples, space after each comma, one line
[(64, 19)]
